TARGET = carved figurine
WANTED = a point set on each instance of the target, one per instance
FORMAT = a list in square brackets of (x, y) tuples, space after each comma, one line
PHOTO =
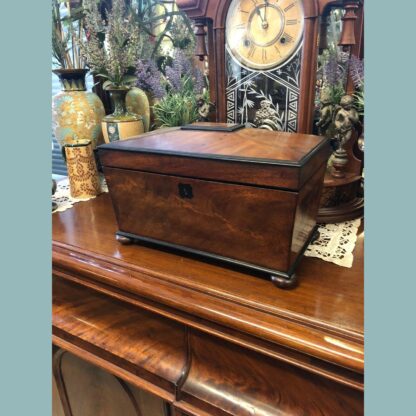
[(266, 117), (326, 113), (204, 108), (345, 120)]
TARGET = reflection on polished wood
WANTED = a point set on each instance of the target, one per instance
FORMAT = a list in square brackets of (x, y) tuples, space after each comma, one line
[(91, 391), (207, 339)]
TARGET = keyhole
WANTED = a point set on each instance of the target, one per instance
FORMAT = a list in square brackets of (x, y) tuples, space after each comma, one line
[(185, 190)]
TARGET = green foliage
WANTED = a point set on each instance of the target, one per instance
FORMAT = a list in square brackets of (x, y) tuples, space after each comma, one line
[(67, 30), (185, 90), (359, 101), (176, 110), (161, 20), (336, 91)]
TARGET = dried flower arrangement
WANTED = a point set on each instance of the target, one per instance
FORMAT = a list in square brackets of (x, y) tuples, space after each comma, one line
[(179, 86), (111, 48), (332, 63), (356, 71)]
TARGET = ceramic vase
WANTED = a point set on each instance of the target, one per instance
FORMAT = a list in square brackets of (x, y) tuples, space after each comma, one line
[(121, 124), (83, 177), (137, 102), (76, 112)]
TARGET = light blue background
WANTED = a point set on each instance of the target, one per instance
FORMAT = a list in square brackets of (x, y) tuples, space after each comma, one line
[(390, 149), (25, 248), (25, 178)]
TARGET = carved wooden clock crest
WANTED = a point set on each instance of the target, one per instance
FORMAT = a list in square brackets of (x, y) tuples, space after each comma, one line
[(262, 56)]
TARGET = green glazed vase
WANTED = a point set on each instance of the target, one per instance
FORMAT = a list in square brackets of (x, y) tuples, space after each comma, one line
[(76, 112), (137, 102), (121, 124)]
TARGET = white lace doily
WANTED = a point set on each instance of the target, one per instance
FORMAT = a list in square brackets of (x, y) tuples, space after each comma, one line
[(62, 196), (336, 243)]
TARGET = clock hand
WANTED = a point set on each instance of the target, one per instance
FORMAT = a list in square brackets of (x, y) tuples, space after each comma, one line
[(266, 4), (264, 23), (259, 13)]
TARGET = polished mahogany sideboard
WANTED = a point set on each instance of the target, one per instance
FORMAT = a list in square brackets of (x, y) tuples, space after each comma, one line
[(197, 338)]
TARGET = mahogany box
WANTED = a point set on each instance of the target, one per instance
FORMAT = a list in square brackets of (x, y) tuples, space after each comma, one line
[(247, 197)]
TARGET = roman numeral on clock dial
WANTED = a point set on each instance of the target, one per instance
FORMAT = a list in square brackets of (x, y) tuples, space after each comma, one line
[(286, 38), (262, 34), (286, 9)]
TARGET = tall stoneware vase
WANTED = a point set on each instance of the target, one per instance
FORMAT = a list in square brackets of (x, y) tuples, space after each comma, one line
[(76, 112), (137, 102), (121, 124)]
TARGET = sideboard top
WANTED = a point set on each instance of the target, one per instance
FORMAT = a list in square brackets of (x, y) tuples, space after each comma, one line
[(322, 317)]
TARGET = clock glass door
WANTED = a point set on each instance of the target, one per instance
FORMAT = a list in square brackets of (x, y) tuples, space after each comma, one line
[(263, 58)]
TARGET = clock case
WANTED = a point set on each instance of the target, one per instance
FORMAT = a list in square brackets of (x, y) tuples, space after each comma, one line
[(248, 197), (211, 14)]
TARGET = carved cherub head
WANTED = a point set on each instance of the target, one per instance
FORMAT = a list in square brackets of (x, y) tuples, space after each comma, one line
[(347, 102), (325, 97)]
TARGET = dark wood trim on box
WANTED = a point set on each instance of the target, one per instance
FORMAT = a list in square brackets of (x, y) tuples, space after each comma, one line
[(281, 279), (229, 158), (284, 178), (199, 127)]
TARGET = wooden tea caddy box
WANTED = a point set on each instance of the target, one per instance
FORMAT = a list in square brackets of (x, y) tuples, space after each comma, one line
[(244, 196)]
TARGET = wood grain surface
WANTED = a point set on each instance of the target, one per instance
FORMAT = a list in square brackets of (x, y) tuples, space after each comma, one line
[(226, 380), (244, 144), (192, 332), (91, 391), (153, 346), (245, 223)]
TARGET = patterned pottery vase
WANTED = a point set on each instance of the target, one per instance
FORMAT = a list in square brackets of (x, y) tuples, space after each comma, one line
[(122, 124), (76, 113), (138, 103), (84, 182)]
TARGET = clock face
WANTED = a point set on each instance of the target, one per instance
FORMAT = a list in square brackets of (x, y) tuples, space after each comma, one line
[(262, 34)]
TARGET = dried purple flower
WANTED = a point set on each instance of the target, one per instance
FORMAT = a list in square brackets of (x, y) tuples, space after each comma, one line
[(173, 75), (182, 76), (199, 81), (356, 70), (149, 78), (331, 71)]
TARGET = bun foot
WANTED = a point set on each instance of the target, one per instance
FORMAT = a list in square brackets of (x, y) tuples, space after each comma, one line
[(124, 240), (284, 282)]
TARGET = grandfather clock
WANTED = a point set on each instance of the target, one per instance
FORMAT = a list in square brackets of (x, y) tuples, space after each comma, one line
[(262, 57)]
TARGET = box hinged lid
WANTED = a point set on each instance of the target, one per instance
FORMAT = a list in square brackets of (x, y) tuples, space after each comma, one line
[(251, 156)]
